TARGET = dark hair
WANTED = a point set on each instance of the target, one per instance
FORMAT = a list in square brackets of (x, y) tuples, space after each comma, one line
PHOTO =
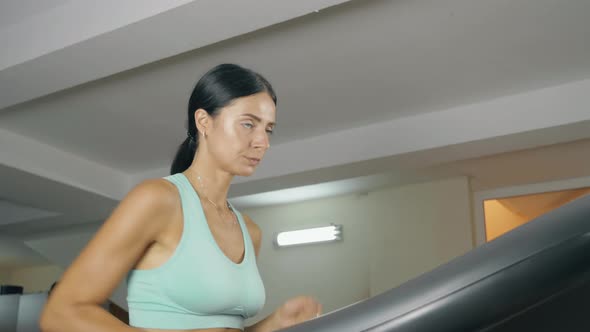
[(52, 287), (215, 90)]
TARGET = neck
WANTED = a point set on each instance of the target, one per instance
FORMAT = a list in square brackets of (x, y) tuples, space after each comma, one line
[(214, 182)]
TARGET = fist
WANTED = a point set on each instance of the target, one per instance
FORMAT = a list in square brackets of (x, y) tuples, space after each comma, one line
[(297, 310)]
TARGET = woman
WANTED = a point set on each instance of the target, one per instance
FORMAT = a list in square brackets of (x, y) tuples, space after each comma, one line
[(188, 255)]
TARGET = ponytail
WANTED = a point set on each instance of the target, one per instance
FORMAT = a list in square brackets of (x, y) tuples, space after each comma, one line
[(184, 156)]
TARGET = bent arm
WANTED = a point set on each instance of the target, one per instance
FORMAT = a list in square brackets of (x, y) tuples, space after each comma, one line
[(75, 303)]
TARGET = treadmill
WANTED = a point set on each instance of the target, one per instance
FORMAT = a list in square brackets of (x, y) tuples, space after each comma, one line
[(533, 278)]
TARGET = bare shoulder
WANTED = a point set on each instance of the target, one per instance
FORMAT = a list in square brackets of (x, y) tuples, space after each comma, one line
[(254, 231), (158, 191), (117, 245), (154, 198)]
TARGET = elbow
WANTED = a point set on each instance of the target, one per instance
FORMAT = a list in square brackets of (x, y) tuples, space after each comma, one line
[(49, 320)]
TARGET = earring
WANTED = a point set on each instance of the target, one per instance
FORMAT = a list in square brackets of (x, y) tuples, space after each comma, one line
[(203, 134)]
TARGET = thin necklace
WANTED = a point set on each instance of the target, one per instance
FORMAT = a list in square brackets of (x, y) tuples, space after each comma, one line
[(217, 208)]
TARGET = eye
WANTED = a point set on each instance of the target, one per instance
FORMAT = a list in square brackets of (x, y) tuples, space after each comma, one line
[(270, 131), (248, 125)]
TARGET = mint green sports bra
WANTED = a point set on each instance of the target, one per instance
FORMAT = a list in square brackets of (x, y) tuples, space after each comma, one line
[(198, 286)]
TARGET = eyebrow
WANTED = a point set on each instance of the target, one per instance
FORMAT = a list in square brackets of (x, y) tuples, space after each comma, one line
[(258, 119)]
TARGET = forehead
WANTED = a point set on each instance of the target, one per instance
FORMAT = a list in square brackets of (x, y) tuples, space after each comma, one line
[(260, 105)]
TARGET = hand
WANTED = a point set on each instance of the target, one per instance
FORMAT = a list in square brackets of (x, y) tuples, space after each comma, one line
[(297, 310)]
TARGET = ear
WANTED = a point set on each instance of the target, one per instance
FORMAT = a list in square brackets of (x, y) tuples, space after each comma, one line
[(202, 120)]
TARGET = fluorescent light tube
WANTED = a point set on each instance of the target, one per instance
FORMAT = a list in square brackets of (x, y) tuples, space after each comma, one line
[(310, 235)]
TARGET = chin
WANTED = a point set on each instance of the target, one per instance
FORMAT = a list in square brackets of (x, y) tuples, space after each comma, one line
[(247, 171)]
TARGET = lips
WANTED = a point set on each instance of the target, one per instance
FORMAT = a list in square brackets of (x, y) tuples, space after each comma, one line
[(253, 161)]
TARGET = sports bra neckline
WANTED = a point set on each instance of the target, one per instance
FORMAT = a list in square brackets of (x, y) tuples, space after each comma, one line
[(201, 211)]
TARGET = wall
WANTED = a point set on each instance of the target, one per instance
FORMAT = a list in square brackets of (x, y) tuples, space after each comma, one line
[(417, 228), (33, 279), (335, 273), (529, 189), (3, 277), (390, 236), (500, 219)]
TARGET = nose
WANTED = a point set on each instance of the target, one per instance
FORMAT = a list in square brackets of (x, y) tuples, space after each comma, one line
[(261, 140)]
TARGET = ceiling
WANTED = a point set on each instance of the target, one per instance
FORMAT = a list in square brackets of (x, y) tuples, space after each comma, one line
[(371, 93), (14, 12)]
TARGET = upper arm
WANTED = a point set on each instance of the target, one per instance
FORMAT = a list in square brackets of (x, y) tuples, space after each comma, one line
[(255, 233), (116, 247)]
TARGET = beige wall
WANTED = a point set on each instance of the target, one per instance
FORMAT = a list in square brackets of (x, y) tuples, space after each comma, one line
[(3, 277), (417, 228), (335, 273), (390, 236), (33, 279)]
